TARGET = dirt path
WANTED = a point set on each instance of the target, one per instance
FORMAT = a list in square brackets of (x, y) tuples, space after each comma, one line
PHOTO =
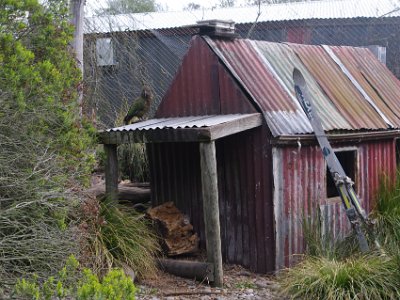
[(238, 284)]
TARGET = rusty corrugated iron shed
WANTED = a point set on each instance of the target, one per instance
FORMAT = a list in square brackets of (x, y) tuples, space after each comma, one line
[(264, 70)]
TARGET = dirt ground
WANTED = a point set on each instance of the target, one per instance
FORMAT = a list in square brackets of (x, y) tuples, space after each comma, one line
[(239, 283)]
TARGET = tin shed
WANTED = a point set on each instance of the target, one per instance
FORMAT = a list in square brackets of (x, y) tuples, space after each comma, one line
[(270, 171)]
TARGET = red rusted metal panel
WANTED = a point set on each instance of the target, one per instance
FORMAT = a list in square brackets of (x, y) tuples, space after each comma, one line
[(377, 161), (300, 190), (246, 63), (231, 95), (299, 35), (203, 86), (298, 177), (244, 166)]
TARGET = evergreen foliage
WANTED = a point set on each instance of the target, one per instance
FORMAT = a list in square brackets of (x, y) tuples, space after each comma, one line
[(115, 285), (43, 143)]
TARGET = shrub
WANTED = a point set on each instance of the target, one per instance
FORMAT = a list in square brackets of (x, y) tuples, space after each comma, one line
[(114, 286), (44, 155), (70, 282)]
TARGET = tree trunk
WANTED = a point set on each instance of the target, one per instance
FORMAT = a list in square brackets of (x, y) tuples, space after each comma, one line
[(77, 14)]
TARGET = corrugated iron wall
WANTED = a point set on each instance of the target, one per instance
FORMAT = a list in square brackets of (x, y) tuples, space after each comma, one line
[(376, 160), (298, 185), (300, 190), (175, 176), (245, 180), (245, 185), (202, 86)]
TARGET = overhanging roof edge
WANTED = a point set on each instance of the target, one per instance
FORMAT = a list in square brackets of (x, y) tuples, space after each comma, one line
[(182, 129)]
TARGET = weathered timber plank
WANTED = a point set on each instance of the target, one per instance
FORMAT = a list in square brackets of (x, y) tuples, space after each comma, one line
[(111, 172), (209, 182), (236, 126)]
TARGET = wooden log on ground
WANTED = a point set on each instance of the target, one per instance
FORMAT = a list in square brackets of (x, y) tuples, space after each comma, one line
[(175, 229), (132, 194), (188, 269)]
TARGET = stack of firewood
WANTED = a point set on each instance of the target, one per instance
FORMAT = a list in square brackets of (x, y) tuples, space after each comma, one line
[(175, 229)]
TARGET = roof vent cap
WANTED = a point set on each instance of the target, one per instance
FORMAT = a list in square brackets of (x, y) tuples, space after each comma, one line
[(217, 28)]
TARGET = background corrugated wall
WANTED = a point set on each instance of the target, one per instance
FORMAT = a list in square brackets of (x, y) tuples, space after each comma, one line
[(300, 190)]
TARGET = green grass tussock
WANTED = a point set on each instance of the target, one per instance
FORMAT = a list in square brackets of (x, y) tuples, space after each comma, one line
[(361, 277), (121, 236)]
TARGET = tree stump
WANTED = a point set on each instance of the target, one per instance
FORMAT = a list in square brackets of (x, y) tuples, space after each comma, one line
[(175, 229)]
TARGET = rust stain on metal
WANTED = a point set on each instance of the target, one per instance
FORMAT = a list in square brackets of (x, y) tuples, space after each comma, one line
[(377, 81), (339, 88), (283, 61)]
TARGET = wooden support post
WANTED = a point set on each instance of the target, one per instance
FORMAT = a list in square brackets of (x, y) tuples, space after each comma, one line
[(209, 184), (111, 172)]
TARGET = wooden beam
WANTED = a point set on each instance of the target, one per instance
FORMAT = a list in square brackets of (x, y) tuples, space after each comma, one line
[(353, 137), (209, 183), (192, 134), (236, 126), (111, 172)]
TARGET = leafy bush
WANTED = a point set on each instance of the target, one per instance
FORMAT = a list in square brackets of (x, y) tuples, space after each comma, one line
[(114, 286), (120, 236), (44, 155), (70, 282)]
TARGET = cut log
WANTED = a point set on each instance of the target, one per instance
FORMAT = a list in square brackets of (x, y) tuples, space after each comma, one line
[(188, 269), (129, 193), (175, 229)]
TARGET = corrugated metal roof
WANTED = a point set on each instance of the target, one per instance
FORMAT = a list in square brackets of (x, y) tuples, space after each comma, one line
[(370, 73), (269, 12), (182, 122), (340, 90), (282, 60), (265, 71), (283, 115)]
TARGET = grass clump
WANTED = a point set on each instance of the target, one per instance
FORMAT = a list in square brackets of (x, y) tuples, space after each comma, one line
[(133, 162), (120, 236), (358, 277)]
